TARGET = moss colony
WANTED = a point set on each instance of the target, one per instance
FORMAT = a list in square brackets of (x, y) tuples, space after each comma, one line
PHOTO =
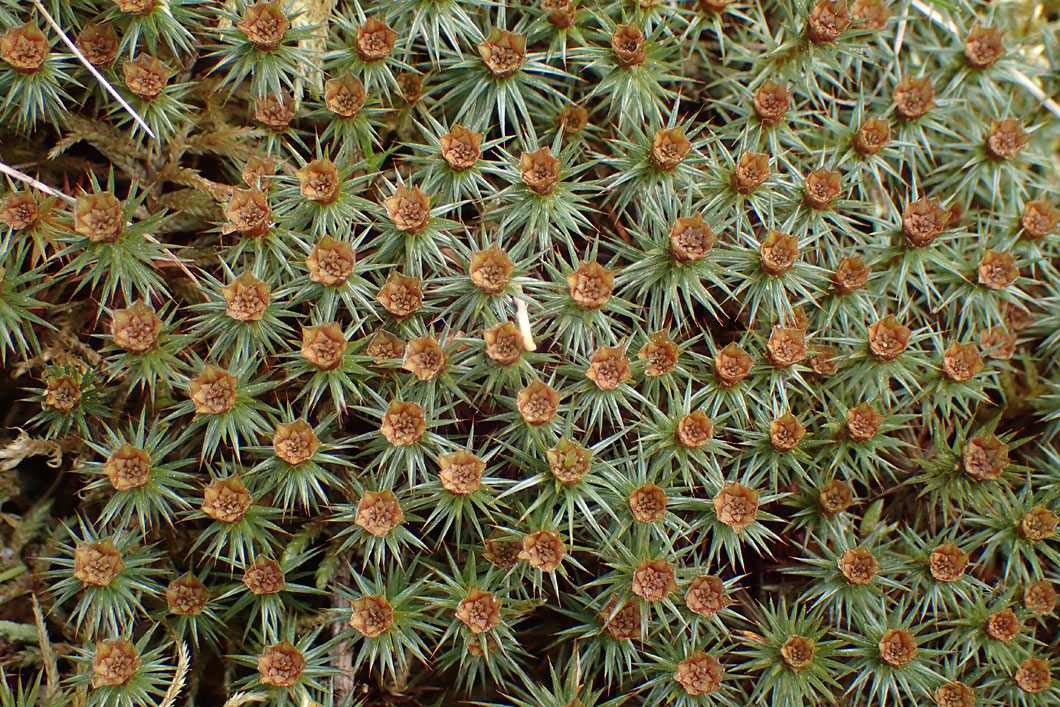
[(557, 354)]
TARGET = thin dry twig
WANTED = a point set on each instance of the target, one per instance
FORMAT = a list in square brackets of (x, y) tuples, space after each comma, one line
[(242, 698), (91, 69), (35, 183), (523, 317), (51, 670), (179, 677), (1021, 78)]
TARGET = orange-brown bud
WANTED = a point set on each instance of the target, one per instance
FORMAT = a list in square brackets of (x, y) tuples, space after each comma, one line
[(20, 211), (648, 503), (786, 347), (797, 652), (274, 112), (870, 14), (1039, 219), (319, 181), (491, 270), (997, 270), (401, 295), (384, 346), (248, 212), (295, 443), (707, 596), (821, 188), (25, 48), (998, 343), (136, 329), (947, 563), (62, 394), (668, 149), (461, 472), (281, 665), (504, 53), (187, 596), (480, 611), (246, 298), (115, 663), (701, 674), (955, 694), (345, 96), (1038, 524), (424, 358), (403, 423), (985, 458), (628, 43), (654, 580), (873, 135), (502, 553), (851, 274), (410, 87), (731, 365), (539, 171), (898, 648), (863, 423), (544, 550), (146, 76), (923, 221), (213, 391), (408, 209), (226, 500), (736, 506), (379, 512), (858, 566), (1040, 597), (371, 616), (99, 217), (265, 25), (623, 624), (1002, 625), (778, 253), (785, 433), (569, 462), (983, 47), (324, 346), (538, 403), (560, 13), (660, 354), (97, 564), (1006, 140), (835, 497), (751, 172), (961, 362), (573, 119), (889, 338), (128, 467), (264, 576), (590, 285), (461, 148), (331, 262), (694, 430), (136, 7), (1034, 676), (609, 368), (691, 239), (913, 97), (771, 103), (375, 40), (504, 344), (99, 44), (828, 19)]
